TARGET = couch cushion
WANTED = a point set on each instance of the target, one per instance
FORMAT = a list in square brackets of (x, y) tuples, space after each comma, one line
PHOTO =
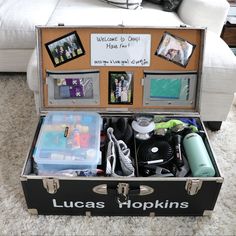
[(219, 65), (218, 78), (18, 19), (204, 13), (153, 15), (96, 12)]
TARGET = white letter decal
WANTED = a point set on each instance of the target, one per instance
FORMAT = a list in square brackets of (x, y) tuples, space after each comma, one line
[(55, 203)]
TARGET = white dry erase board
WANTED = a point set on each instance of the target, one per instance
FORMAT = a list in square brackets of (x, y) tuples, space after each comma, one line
[(120, 49)]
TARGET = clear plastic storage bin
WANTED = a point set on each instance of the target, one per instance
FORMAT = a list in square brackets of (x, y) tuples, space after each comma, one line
[(68, 140)]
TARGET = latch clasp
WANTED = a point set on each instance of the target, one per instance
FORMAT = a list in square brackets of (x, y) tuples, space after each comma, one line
[(193, 186), (51, 185), (123, 190)]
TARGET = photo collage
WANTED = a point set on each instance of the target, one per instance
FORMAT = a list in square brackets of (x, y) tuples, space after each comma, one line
[(120, 83)]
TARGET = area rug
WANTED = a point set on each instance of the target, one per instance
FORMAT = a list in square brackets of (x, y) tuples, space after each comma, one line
[(17, 121)]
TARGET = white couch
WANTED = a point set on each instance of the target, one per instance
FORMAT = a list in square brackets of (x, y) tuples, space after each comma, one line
[(17, 38)]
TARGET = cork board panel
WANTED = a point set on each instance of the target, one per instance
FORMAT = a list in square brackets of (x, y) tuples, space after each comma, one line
[(157, 63)]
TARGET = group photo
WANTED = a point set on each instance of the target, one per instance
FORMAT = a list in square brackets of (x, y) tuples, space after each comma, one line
[(65, 48)]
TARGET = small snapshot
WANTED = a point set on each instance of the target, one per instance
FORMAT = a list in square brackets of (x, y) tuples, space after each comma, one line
[(175, 49), (65, 48)]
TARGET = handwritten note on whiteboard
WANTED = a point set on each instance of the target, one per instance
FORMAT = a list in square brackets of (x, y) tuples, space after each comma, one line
[(120, 49)]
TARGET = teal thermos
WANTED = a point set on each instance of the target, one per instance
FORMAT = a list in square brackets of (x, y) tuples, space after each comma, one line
[(197, 155)]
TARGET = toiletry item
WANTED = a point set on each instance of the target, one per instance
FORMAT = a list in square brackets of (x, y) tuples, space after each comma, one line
[(197, 155)]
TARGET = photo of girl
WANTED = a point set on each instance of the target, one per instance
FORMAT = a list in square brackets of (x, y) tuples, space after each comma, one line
[(65, 48), (120, 87), (175, 49)]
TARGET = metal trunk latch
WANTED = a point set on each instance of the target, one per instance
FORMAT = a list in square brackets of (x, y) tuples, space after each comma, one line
[(123, 190), (142, 191), (193, 186), (51, 185)]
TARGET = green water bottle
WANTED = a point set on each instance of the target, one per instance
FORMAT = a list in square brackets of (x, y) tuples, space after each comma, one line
[(197, 155)]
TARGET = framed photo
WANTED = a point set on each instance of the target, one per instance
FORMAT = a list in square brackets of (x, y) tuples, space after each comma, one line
[(120, 87), (65, 48), (175, 49)]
